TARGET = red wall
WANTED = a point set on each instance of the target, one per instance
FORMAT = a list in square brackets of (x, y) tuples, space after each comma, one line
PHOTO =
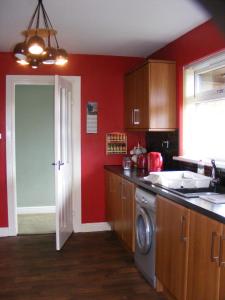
[(101, 81), (196, 44)]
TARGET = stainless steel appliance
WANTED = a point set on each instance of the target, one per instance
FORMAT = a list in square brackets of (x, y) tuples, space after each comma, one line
[(145, 234), (189, 193)]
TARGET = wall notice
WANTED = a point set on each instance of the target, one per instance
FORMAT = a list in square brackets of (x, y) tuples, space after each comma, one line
[(92, 117)]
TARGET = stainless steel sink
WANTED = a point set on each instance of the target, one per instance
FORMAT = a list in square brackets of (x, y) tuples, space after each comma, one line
[(192, 192)]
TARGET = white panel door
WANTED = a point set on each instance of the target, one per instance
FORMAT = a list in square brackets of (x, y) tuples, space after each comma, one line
[(63, 160)]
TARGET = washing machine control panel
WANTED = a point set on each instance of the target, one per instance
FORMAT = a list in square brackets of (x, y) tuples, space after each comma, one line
[(146, 198)]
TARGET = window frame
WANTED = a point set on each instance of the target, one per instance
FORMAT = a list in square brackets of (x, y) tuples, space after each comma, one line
[(212, 62)]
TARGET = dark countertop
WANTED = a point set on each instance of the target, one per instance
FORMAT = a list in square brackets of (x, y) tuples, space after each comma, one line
[(214, 211)]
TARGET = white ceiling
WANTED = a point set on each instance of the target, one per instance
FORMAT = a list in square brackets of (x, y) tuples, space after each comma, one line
[(110, 27)]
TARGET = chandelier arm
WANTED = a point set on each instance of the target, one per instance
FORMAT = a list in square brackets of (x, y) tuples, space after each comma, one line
[(44, 15), (33, 17), (38, 15), (48, 20), (57, 44), (46, 24)]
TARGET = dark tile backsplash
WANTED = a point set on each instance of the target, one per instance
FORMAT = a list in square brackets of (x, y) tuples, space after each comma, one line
[(167, 144)]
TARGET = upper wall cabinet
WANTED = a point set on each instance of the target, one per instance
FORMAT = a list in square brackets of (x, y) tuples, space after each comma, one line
[(150, 97)]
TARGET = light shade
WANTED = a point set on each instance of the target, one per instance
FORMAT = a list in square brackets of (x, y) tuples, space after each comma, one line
[(61, 57), (36, 45), (22, 62), (49, 56), (20, 51), (35, 62)]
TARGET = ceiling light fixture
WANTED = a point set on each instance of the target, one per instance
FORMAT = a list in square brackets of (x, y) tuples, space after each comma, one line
[(37, 47)]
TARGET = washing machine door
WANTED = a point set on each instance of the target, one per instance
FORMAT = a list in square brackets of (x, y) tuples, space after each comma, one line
[(144, 231)]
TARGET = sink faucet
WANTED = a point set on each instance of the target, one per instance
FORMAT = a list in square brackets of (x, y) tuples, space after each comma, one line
[(214, 181)]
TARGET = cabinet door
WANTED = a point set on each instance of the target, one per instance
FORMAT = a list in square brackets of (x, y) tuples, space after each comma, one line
[(108, 197), (113, 201), (162, 95), (222, 265), (128, 200), (172, 246), (130, 94), (203, 265), (141, 109), (117, 206)]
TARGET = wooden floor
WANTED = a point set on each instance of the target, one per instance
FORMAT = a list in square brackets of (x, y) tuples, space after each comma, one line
[(92, 266)]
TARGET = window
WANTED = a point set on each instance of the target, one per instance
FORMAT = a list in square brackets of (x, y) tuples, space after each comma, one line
[(204, 109)]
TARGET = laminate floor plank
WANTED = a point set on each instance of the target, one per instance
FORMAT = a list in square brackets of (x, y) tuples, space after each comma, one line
[(91, 266)]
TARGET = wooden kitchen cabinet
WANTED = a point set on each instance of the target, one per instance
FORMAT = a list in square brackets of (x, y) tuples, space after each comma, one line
[(203, 264), (172, 221), (120, 207), (118, 221), (222, 265), (113, 201), (150, 97), (111, 191), (130, 84), (128, 203), (190, 253), (108, 197)]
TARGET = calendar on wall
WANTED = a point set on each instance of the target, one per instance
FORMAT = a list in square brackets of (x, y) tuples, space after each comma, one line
[(92, 117)]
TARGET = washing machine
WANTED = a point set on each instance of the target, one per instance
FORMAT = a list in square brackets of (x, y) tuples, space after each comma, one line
[(145, 234)]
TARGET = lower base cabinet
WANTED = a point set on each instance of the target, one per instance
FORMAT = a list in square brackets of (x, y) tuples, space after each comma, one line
[(190, 247), (172, 247), (128, 209), (204, 251), (120, 207), (190, 253), (222, 265)]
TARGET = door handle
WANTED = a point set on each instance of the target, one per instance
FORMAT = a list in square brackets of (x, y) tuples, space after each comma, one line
[(58, 163), (221, 258), (214, 258)]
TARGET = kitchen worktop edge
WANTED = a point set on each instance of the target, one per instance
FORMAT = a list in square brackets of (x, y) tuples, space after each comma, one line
[(214, 211)]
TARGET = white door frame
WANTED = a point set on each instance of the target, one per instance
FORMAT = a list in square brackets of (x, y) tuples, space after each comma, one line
[(11, 82)]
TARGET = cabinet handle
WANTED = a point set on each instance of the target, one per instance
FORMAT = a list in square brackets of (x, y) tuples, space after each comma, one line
[(183, 238), (214, 258), (221, 259), (136, 115)]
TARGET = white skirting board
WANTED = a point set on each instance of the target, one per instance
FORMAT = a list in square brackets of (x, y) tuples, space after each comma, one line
[(93, 227), (4, 231), (87, 227), (36, 210)]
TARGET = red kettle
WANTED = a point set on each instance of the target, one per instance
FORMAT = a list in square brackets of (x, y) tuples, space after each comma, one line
[(155, 162)]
